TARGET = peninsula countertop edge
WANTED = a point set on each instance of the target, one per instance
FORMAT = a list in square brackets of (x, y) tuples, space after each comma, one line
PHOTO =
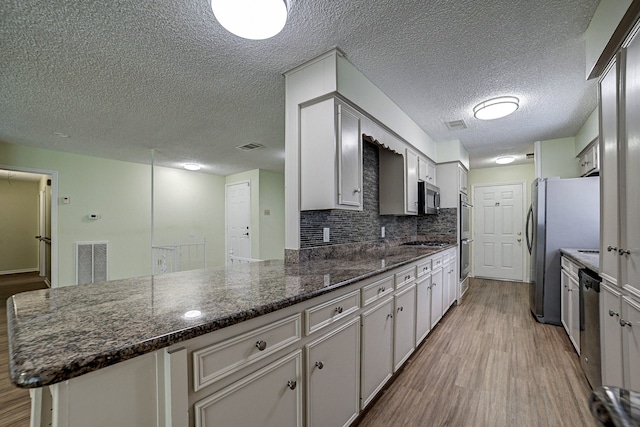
[(59, 334)]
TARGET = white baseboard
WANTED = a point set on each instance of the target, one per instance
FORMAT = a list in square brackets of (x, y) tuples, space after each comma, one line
[(21, 270)]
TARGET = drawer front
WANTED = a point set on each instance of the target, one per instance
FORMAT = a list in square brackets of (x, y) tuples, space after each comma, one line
[(424, 268), (377, 290), (446, 257), (565, 263), (325, 314), (405, 277), (436, 262), (573, 270), (217, 361)]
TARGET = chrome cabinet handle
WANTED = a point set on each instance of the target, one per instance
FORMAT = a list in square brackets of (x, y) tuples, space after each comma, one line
[(624, 323), (320, 365), (624, 251), (613, 313), (292, 385), (339, 310), (357, 190), (400, 309), (611, 248), (390, 315), (381, 289), (261, 345)]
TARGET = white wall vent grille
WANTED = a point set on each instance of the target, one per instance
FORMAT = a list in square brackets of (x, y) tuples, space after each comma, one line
[(91, 262)]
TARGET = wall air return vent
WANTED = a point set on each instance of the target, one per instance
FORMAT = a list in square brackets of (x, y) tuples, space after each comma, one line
[(456, 125), (249, 147), (91, 262)]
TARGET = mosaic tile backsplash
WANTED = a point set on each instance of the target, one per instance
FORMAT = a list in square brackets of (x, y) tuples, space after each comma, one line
[(364, 226)]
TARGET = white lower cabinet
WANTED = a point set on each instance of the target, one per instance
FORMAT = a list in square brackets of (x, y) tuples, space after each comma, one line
[(404, 326), (437, 286), (423, 308), (570, 301), (610, 335), (630, 324), (333, 377), (377, 349), (273, 393)]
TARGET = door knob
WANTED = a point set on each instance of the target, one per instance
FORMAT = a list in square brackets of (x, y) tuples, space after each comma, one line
[(519, 240)]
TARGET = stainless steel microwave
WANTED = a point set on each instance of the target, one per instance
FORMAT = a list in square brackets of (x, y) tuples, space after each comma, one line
[(428, 199)]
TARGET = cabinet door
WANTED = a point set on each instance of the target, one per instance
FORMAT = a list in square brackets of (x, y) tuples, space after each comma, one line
[(405, 326), (609, 173), (350, 158), (453, 285), (377, 349), (462, 180), (564, 300), (431, 173), (610, 335), (423, 308), (422, 169), (411, 184), (333, 377), (574, 313), (271, 396), (436, 296), (630, 323), (630, 155)]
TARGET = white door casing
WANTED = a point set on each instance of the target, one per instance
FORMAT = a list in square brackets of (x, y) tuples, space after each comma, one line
[(498, 231), (238, 218)]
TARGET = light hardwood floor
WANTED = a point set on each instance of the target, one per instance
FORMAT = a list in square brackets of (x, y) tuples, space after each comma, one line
[(14, 402), (488, 363)]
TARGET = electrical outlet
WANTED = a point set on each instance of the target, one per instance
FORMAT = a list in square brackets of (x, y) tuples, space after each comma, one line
[(325, 234), (383, 232)]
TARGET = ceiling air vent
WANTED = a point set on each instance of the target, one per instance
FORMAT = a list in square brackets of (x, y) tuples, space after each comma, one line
[(456, 125), (529, 156), (249, 147)]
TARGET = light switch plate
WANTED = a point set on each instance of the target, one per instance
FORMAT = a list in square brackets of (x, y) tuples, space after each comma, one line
[(325, 234), (383, 232)]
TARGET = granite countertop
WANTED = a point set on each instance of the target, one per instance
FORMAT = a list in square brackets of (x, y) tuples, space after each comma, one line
[(58, 334), (590, 258)]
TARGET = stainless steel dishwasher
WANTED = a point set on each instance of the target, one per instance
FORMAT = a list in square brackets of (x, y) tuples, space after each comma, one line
[(590, 326)]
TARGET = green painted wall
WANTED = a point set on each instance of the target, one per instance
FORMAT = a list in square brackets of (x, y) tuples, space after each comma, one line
[(558, 158)]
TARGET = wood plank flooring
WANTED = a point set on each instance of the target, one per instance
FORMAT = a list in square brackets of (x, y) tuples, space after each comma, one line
[(15, 405), (488, 363)]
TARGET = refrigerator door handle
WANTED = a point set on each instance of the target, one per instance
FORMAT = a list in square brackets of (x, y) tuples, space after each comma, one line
[(529, 218)]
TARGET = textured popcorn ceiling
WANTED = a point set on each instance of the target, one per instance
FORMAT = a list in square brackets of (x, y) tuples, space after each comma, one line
[(122, 77)]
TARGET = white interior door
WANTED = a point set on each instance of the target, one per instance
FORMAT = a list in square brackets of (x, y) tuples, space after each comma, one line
[(239, 219), (498, 231)]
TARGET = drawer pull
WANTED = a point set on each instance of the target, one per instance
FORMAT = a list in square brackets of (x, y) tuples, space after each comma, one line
[(613, 313), (407, 277), (381, 289), (624, 323), (390, 315), (319, 365), (261, 345), (400, 309), (339, 310), (292, 385), (611, 248)]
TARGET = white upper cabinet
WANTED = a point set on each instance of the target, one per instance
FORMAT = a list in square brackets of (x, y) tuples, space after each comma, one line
[(330, 157), (589, 159), (462, 180), (609, 173), (452, 182), (398, 182), (426, 170), (411, 185)]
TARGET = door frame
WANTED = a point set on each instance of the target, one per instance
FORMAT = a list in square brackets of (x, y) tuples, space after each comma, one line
[(226, 218), (525, 207), (54, 213)]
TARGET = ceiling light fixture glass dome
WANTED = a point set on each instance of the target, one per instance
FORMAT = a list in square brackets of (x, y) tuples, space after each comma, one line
[(251, 19), (505, 160), (496, 108), (192, 166)]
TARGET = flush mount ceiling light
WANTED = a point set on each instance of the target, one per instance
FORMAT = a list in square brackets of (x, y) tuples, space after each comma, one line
[(505, 160), (192, 166), (251, 19), (496, 107)]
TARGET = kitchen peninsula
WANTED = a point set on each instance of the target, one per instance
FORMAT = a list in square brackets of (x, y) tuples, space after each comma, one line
[(178, 348)]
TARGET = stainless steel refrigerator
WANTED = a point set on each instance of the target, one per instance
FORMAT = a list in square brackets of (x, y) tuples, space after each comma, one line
[(564, 213)]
